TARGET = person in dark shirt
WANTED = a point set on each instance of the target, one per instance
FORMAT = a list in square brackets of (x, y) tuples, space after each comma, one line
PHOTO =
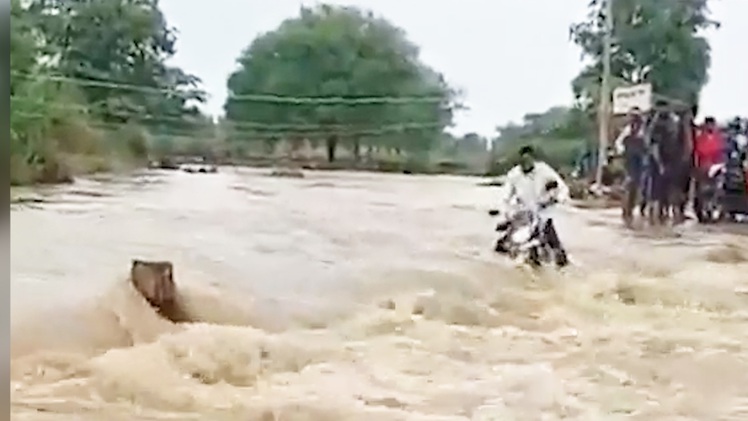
[(687, 134), (655, 170), (632, 145), (671, 132)]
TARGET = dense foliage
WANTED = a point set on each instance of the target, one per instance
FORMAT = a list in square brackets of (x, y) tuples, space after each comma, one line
[(90, 85), (87, 79), (656, 41), (560, 134), (343, 52)]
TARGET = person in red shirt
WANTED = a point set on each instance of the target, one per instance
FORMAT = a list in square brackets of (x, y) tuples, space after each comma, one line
[(710, 146)]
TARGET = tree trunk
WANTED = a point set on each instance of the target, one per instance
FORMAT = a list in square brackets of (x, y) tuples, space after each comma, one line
[(356, 149), (332, 146)]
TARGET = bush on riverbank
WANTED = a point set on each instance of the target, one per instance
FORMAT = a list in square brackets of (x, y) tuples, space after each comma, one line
[(558, 153), (384, 164), (54, 149)]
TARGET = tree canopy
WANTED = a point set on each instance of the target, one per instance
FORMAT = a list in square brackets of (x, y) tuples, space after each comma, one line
[(342, 52), (117, 42), (655, 41), (86, 66), (341, 76), (557, 122), (560, 134)]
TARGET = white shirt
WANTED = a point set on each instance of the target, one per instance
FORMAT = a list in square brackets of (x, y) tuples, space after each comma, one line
[(741, 140), (529, 188)]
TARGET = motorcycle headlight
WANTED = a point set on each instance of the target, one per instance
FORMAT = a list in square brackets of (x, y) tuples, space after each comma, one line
[(715, 169), (522, 235)]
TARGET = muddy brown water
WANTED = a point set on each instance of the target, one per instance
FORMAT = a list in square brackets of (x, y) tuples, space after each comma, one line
[(363, 297)]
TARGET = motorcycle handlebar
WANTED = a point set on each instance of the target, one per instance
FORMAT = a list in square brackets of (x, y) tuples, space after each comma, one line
[(541, 206)]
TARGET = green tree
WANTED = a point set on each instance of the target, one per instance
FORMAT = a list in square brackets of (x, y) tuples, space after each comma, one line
[(330, 51), (559, 133), (555, 123), (655, 41), (69, 109), (119, 42), (33, 112), (23, 46)]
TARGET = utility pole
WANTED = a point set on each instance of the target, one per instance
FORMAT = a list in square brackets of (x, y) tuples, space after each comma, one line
[(605, 106)]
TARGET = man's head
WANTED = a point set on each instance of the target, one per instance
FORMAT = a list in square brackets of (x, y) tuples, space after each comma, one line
[(710, 124), (735, 125), (527, 158), (635, 118)]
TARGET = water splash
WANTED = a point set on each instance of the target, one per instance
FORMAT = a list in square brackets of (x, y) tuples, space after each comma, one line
[(429, 328)]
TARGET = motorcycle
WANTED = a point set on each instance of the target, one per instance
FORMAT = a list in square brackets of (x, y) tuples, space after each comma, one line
[(735, 201), (521, 234), (709, 201)]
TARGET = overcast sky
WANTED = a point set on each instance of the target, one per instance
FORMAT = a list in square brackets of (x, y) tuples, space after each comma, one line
[(510, 57)]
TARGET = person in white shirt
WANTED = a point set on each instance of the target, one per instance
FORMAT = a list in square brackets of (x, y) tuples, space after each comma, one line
[(527, 184)]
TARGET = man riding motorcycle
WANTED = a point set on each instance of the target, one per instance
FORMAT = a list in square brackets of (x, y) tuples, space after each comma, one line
[(526, 184)]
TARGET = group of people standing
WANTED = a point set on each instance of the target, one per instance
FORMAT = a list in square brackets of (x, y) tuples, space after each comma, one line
[(667, 157)]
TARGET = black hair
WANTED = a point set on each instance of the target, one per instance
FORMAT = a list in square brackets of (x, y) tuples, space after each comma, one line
[(527, 150), (710, 120)]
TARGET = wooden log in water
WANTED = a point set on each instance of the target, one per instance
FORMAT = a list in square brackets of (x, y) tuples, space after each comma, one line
[(154, 280)]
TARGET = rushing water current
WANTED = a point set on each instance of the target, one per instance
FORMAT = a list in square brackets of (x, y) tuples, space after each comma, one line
[(346, 296)]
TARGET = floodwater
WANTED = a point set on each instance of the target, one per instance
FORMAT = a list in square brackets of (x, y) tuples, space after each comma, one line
[(363, 297)]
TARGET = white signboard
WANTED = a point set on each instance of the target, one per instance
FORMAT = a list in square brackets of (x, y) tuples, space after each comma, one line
[(627, 98)]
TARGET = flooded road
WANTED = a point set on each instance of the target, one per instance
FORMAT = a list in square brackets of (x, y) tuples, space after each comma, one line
[(363, 297)]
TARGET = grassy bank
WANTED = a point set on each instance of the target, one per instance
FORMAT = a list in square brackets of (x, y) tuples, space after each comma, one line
[(55, 135), (63, 150)]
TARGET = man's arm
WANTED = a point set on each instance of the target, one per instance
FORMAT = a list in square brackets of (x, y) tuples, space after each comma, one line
[(510, 185), (618, 144), (562, 191), (653, 145)]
